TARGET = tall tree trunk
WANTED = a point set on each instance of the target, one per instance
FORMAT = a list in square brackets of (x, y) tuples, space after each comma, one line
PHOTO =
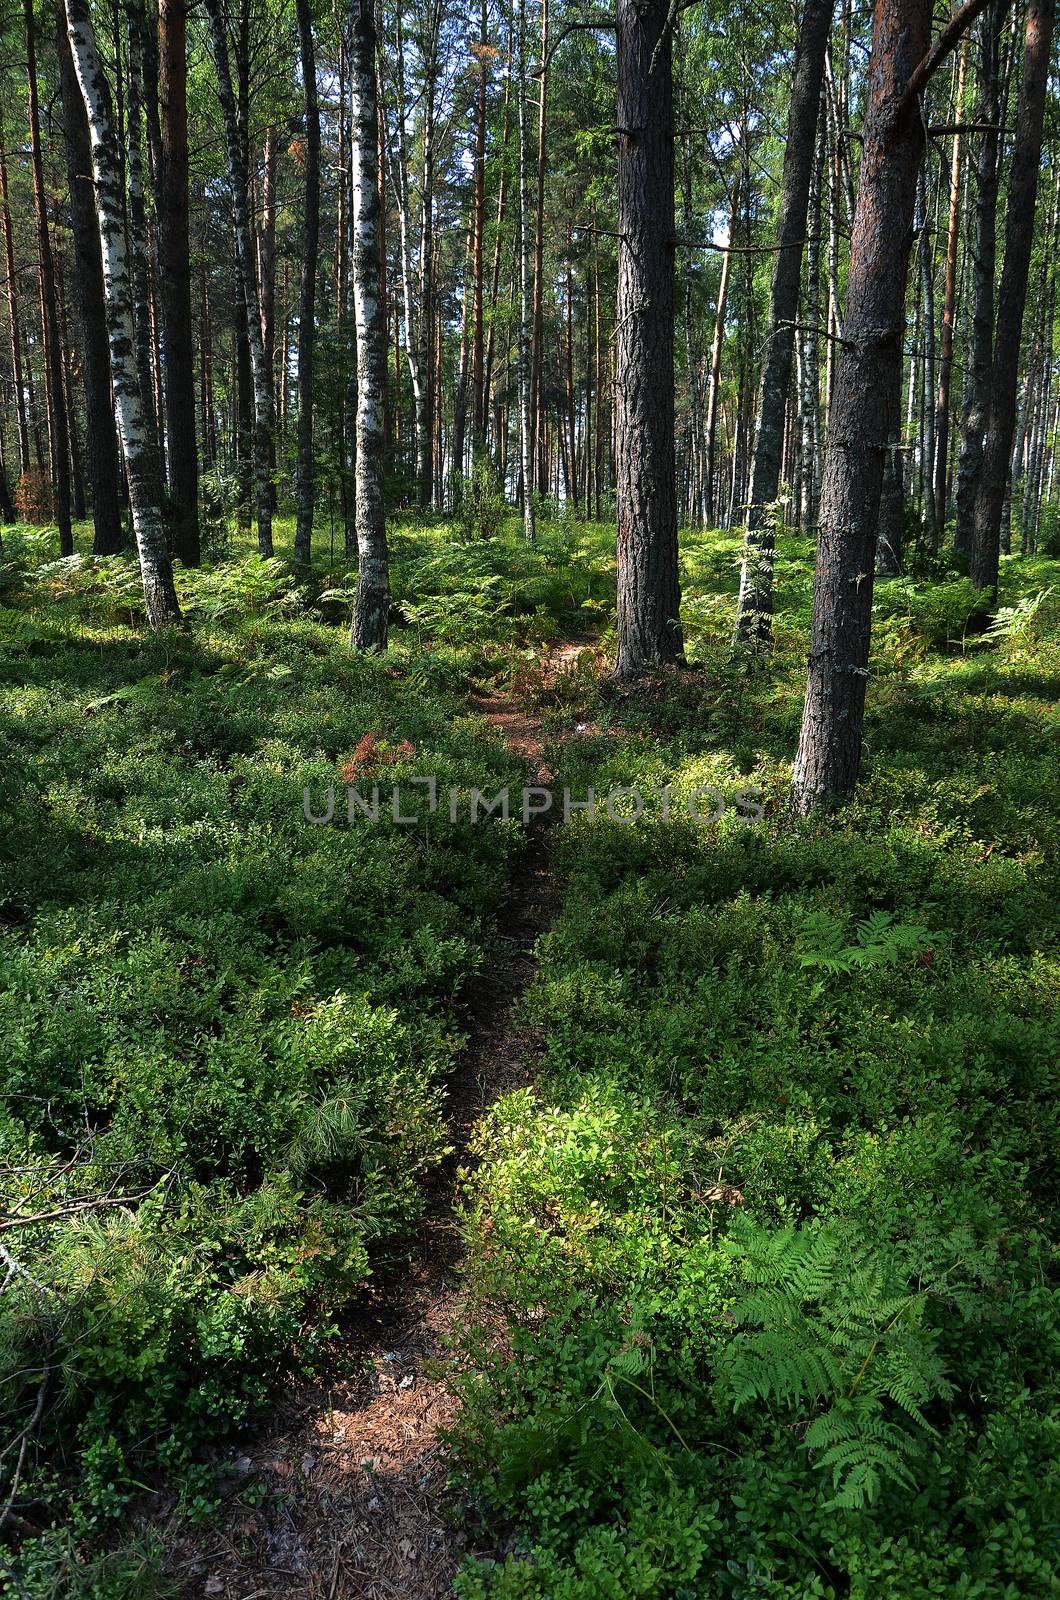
[(66, 348), (1019, 235), (245, 266), (498, 238), (537, 362), (175, 283), (460, 398), (754, 611), (58, 422), (649, 630), (155, 565), (949, 301), (99, 410), (811, 357), (425, 436), (714, 387), (979, 363), (415, 317), (372, 605), (526, 457), (478, 347), (927, 431), (304, 476), (267, 279), (137, 225), (864, 414), (14, 325)]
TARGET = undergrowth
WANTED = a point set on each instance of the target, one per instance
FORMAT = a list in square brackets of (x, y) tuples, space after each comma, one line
[(762, 1291)]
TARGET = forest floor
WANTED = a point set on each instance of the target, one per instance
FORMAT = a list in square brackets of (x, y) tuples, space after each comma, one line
[(447, 1271), (353, 1493)]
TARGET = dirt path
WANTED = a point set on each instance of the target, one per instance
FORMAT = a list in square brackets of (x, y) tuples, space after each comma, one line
[(350, 1480)]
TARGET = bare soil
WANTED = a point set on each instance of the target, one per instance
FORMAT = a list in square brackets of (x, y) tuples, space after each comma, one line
[(345, 1492)]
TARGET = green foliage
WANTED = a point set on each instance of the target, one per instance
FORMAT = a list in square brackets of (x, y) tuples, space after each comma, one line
[(224, 1032), (482, 509), (840, 1328), (764, 1294)]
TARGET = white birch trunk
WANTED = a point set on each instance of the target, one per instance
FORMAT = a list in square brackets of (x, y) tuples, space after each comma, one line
[(415, 327), (156, 568), (372, 605)]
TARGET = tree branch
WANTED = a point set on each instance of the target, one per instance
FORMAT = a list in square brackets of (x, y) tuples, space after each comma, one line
[(601, 25), (950, 36)]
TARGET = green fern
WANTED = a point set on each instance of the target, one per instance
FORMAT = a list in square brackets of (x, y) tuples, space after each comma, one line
[(880, 941), (836, 1334)]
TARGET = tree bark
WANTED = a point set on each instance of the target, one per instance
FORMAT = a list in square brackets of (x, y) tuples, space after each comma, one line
[(927, 429), (372, 605), (175, 283), (1019, 236), (99, 411), (864, 414), (649, 630), (537, 362), (137, 232), (526, 456), (949, 302), (58, 422), (14, 325), (304, 475), (811, 353), (754, 611), (155, 565), (415, 316), (976, 397), (714, 387), (245, 266)]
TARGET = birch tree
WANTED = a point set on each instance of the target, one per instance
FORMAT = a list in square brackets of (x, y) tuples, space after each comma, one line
[(155, 565), (372, 604), (304, 469)]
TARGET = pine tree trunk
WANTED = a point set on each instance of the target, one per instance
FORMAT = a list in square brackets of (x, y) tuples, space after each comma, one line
[(58, 422), (537, 359), (927, 431), (175, 283), (137, 238), (979, 361), (99, 411), (754, 612), (949, 301), (864, 414), (478, 347), (649, 630), (155, 565), (14, 325), (1019, 236), (245, 266), (372, 605), (304, 475), (526, 457), (811, 351)]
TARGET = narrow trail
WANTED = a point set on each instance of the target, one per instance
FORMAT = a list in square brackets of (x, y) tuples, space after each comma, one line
[(350, 1479)]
